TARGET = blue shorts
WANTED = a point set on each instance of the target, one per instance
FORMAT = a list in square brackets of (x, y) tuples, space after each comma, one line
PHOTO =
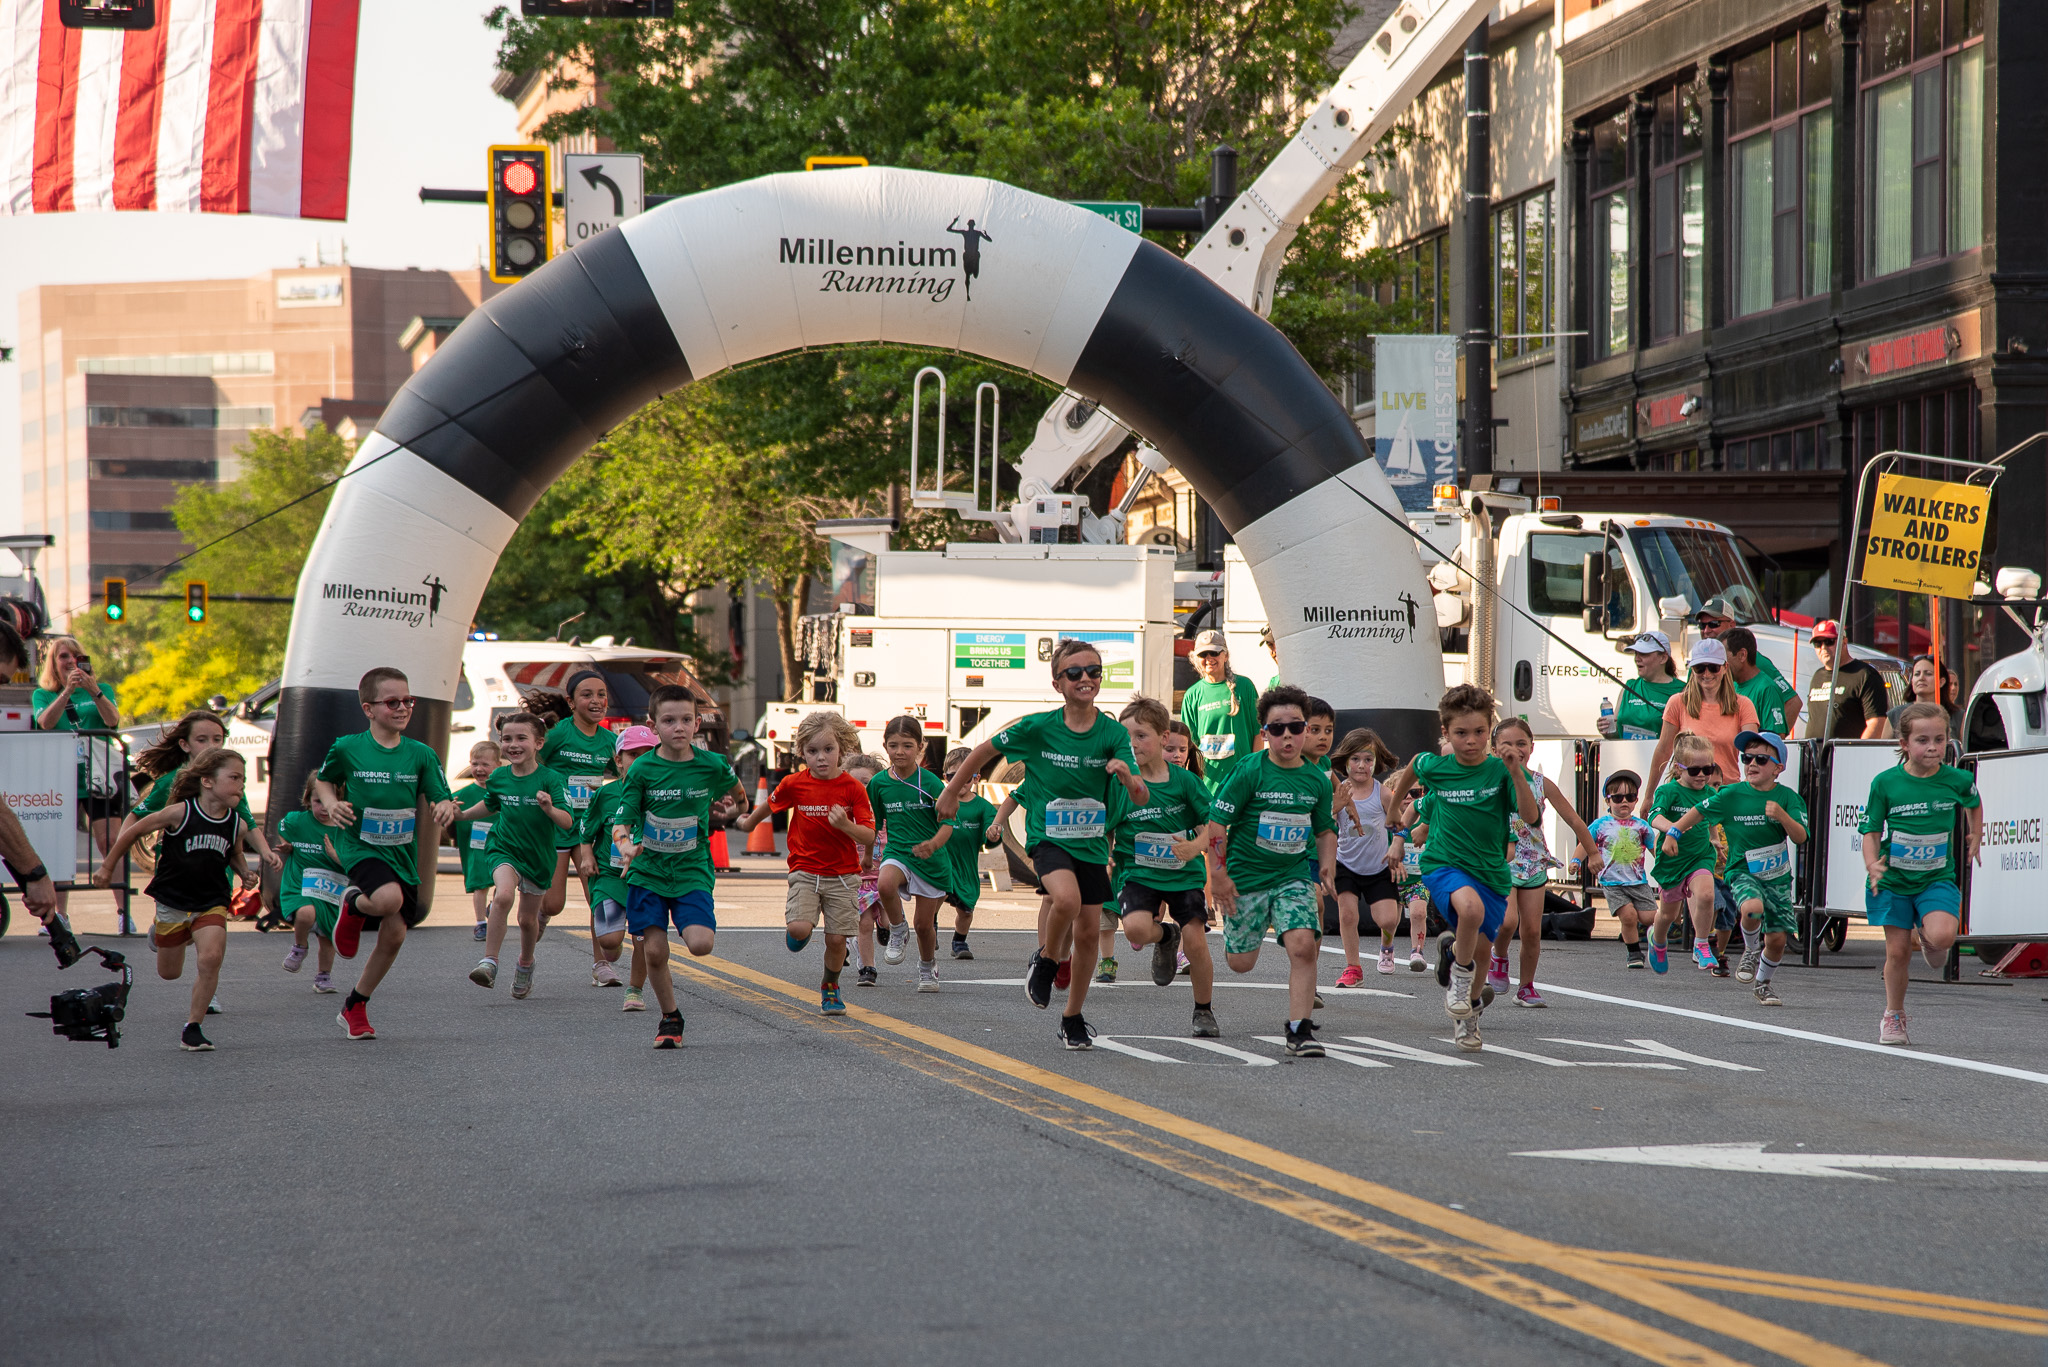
[(1907, 910), (607, 916), (1443, 882), (647, 911)]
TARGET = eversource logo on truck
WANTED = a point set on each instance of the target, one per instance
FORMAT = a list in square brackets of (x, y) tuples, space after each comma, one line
[(1365, 624)]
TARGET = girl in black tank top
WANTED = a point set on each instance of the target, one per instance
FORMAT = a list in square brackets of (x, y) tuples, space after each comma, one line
[(202, 842)]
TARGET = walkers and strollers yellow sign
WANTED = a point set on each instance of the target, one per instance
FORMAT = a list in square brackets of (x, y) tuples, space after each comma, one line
[(1925, 536)]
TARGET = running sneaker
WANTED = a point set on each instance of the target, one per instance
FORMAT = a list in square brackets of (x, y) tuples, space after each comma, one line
[(1766, 995), (1497, 973), (927, 977), (323, 982), (1105, 969), (1319, 1002), (669, 1034), (1417, 962), (1465, 1033), (1444, 959), (602, 974), (213, 1006), (1892, 1029), (867, 977), (1181, 966), (1039, 976), (1745, 971), (483, 929), (348, 926), (1660, 959), (1205, 1023), (1703, 957), (1076, 1033), (1301, 1043), (522, 981), (355, 1021), (961, 951), (1386, 965), (1458, 997), (1353, 975), (1063, 976), (1720, 968), (1635, 955), (485, 974), (899, 936), (1163, 953), (294, 958), (830, 1003), (1527, 995), (192, 1042), (635, 1000)]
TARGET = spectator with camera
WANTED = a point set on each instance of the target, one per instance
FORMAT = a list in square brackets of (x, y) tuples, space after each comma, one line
[(69, 698)]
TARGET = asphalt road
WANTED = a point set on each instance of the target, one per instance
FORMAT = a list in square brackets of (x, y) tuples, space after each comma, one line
[(933, 1180)]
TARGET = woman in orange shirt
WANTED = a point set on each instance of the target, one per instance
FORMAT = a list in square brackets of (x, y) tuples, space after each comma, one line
[(1710, 706)]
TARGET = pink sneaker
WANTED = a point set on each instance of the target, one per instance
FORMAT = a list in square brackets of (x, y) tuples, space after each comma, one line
[(294, 957), (1386, 958), (1416, 963), (1892, 1029), (1497, 974), (1352, 976), (1527, 995)]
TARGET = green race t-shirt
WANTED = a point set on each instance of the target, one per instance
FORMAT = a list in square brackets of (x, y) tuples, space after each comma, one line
[(668, 806), (1469, 806), (1757, 844), (1143, 835), (905, 808), (1067, 786), (385, 788), (470, 837), (1916, 820), (1639, 712), (1768, 693), (159, 797), (963, 851), (1273, 816), (1221, 737), (309, 875), (521, 831), (1695, 847), (583, 762), (598, 818)]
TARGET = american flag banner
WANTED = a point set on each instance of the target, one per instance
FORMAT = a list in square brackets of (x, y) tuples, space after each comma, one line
[(225, 106)]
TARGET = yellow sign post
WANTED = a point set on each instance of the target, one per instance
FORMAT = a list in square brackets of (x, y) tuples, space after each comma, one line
[(1926, 536)]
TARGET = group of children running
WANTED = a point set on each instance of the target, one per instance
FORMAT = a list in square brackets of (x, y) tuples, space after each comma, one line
[(1240, 810)]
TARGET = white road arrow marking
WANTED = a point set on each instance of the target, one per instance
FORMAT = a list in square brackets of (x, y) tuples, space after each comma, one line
[(1752, 1158), (1367, 1044), (1653, 1048), (1116, 1044), (1567, 1062)]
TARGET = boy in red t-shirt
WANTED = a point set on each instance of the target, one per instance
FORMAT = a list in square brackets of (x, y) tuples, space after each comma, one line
[(829, 820)]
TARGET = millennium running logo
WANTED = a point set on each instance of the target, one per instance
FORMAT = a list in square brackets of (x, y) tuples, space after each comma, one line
[(389, 604), (1366, 624), (898, 268)]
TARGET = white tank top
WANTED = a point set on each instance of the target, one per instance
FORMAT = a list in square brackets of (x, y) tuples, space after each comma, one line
[(1362, 849)]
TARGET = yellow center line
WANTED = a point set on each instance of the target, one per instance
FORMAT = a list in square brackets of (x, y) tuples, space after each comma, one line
[(1580, 1265), (1883, 1305), (1792, 1280)]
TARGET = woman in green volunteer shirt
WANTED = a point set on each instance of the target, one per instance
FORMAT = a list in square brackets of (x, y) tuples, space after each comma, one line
[(528, 805), (69, 698), (1220, 710), (1639, 712), (1073, 757), (579, 748), (1909, 823)]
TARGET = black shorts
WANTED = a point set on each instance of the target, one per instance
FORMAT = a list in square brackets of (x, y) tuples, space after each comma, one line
[(1369, 887), (371, 874), (1047, 856), (1187, 906), (92, 807)]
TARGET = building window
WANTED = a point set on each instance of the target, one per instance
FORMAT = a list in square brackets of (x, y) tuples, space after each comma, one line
[(1923, 106), (1422, 280), (124, 415), (211, 363), (1522, 289), (119, 520), (1781, 140), (182, 471), (1796, 448), (1677, 216), (1607, 216)]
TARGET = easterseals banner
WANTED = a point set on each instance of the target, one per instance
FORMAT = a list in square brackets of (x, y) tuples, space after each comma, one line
[(1926, 536)]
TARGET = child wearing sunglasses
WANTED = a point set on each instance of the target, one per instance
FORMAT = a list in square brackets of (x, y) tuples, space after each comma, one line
[(1685, 858), (1624, 840), (1074, 757), (1764, 819)]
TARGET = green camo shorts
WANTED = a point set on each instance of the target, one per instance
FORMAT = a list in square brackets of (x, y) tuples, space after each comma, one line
[(1776, 896), (1291, 906)]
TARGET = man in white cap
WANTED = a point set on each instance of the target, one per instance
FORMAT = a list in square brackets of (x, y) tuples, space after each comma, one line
[(1221, 710)]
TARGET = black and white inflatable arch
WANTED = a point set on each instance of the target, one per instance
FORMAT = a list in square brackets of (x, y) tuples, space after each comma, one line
[(535, 376)]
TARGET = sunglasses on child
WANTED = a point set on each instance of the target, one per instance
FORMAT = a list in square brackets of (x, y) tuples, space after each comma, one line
[(1621, 797), (396, 704), (1700, 770), (1072, 673), (1286, 728), (1754, 757)]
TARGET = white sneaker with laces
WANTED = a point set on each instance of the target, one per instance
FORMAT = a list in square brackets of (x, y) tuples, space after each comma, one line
[(1458, 997), (927, 977), (899, 936)]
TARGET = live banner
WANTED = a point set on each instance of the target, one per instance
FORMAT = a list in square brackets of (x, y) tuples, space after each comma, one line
[(1925, 536)]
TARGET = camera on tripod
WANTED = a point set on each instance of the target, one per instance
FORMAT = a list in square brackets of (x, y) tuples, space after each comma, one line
[(92, 1013)]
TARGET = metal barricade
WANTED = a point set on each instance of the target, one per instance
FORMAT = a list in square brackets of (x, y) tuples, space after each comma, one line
[(40, 773)]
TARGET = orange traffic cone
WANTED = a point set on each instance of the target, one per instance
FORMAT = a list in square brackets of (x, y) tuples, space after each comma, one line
[(761, 840), (720, 861)]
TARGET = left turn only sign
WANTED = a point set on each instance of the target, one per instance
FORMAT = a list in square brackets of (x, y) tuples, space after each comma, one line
[(600, 190)]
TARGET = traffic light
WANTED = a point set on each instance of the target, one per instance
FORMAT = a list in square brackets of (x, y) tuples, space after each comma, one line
[(521, 219), (195, 600), (117, 600)]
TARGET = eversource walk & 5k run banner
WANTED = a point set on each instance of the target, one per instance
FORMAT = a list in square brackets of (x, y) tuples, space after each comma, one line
[(1415, 430), (1925, 536)]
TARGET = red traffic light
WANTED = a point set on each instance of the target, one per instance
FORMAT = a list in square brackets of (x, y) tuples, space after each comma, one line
[(519, 177)]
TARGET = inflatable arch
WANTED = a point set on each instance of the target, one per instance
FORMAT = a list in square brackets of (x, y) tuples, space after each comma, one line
[(534, 377)]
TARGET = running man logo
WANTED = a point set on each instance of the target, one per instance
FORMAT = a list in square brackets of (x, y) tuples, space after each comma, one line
[(1926, 536)]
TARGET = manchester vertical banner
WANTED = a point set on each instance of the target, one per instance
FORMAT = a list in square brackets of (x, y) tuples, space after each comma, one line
[(1925, 536), (1415, 432)]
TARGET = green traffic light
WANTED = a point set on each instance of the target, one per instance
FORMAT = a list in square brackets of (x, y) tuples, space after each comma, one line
[(114, 613), (197, 614)]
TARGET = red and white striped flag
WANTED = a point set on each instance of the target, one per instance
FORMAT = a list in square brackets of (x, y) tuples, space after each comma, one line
[(226, 106)]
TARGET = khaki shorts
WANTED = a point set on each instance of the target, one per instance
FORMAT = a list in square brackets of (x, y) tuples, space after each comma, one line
[(833, 899)]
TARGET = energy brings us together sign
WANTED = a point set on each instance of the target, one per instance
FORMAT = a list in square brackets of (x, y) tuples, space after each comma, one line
[(1926, 536)]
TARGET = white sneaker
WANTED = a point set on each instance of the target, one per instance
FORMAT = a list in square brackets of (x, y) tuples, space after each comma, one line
[(602, 974), (1416, 963), (1458, 997), (213, 1007), (927, 977), (899, 936)]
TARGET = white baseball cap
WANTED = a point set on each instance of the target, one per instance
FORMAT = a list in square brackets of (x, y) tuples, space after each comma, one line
[(1650, 641), (1707, 652)]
